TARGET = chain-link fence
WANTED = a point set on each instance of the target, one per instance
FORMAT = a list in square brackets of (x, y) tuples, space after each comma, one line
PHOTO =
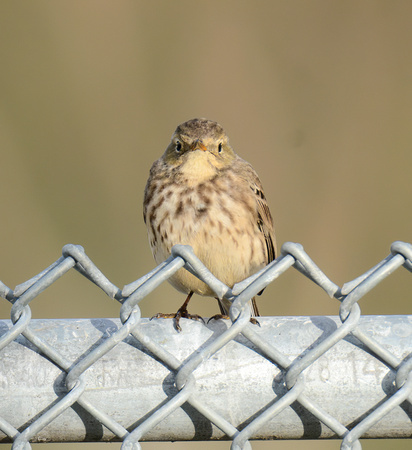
[(132, 379)]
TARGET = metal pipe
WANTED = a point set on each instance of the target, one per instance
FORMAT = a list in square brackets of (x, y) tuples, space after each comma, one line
[(128, 384)]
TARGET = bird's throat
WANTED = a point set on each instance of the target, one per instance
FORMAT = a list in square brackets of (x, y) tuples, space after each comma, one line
[(198, 167)]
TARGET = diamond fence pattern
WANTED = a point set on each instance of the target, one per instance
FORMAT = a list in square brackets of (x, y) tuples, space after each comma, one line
[(288, 386)]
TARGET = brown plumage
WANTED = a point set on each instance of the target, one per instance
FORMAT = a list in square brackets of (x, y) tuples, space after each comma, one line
[(201, 193)]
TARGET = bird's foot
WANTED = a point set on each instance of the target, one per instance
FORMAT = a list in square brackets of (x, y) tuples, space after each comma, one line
[(223, 316), (181, 313), (219, 316), (254, 321)]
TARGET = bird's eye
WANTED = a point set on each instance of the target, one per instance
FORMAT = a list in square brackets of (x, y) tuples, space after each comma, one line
[(178, 146), (220, 147)]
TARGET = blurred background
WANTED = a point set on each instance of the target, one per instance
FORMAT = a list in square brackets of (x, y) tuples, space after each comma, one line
[(316, 95)]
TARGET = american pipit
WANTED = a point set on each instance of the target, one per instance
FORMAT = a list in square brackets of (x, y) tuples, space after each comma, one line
[(201, 193)]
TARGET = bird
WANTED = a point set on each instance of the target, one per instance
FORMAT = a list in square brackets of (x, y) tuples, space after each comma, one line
[(201, 193)]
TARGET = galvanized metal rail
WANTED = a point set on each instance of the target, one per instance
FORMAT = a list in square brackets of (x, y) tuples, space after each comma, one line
[(131, 379)]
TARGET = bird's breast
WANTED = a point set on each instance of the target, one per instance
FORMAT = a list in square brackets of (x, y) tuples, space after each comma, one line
[(217, 218)]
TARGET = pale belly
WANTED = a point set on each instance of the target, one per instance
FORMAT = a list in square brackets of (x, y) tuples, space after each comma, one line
[(223, 236)]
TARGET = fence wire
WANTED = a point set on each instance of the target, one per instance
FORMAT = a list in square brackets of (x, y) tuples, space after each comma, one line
[(288, 389)]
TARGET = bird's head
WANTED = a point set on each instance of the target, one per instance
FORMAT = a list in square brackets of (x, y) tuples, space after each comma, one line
[(200, 147)]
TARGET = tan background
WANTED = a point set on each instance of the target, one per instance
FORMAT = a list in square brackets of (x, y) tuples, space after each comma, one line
[(317, 95)]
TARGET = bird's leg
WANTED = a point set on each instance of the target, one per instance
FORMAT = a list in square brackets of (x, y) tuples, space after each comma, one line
[(255, 312), (181, 312), (222, 309)]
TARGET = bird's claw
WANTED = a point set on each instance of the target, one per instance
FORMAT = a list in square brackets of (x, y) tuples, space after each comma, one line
[(253, 320), (218, 316), (181, 313)]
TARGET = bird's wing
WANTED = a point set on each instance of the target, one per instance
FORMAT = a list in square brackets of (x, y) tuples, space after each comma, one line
[(263, 216), (265, 222)]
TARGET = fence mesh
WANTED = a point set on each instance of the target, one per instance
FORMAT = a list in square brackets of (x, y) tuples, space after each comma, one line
[(183, 371)]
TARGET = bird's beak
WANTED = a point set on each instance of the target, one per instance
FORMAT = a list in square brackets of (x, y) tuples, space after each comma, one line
[(198, 144)]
